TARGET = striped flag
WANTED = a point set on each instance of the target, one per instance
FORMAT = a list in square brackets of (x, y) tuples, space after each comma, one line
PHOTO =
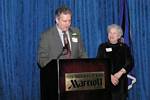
[(125, 24)]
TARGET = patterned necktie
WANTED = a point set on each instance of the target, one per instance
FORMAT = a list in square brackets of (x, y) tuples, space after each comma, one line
[(66, 46)]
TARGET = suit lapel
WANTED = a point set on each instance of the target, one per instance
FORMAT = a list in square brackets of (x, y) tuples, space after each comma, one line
[(57, 38)]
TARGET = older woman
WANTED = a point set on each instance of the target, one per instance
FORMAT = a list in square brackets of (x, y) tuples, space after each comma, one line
[(120, 58)]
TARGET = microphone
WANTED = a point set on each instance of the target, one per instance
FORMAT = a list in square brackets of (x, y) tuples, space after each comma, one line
[(63, 52), (58, 68)]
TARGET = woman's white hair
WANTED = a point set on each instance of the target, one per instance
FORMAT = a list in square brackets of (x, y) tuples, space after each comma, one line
[(115, 26)]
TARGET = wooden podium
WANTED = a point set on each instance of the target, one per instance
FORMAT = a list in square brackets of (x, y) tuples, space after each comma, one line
[(76, 79)]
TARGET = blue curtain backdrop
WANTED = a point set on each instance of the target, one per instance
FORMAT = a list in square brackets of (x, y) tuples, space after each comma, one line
[(21, 24)]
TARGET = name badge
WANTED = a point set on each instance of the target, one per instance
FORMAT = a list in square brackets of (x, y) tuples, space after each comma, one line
[(74, 39), (108, 49)]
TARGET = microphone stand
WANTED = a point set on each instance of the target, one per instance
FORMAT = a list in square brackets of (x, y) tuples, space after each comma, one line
[(58, 66), (58, 79), (63, 52)]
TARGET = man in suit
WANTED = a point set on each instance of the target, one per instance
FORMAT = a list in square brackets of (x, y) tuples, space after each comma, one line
[(52, 45)]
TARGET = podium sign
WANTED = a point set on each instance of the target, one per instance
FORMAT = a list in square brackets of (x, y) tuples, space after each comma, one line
[(76, 79), (84, 81)]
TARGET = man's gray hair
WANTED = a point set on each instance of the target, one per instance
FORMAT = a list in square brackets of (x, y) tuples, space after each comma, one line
[(115, 26)]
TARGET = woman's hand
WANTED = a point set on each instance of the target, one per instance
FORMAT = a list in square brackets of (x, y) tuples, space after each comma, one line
[(120, 73), (114, 80)]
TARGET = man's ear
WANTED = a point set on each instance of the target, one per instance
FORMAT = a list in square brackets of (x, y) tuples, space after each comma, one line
[(56, 19)]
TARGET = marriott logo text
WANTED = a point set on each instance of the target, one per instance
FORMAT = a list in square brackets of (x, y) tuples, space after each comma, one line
[(84, 81)]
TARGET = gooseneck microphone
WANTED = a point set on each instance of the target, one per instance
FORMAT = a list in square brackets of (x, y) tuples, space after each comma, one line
[(58, 68), (61, 53)]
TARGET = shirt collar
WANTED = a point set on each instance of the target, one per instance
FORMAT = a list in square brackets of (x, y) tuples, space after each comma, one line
[(59, 30)]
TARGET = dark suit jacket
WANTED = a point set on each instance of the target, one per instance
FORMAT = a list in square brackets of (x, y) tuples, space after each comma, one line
[(51, 46)]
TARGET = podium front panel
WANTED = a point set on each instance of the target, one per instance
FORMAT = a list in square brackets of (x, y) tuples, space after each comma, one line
[(77, 79)]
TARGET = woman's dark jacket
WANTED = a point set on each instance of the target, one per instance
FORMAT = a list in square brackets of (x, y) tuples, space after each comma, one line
[(120, 57)]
